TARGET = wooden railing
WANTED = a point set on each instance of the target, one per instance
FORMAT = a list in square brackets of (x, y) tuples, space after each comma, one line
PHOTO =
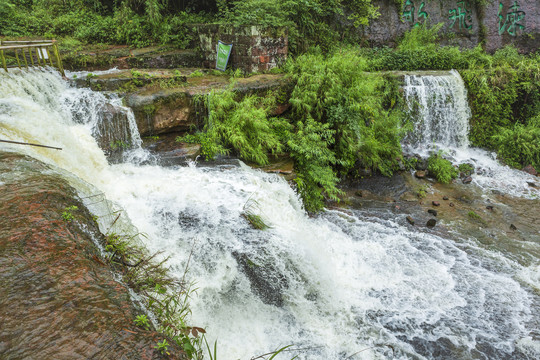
[(39, 53)]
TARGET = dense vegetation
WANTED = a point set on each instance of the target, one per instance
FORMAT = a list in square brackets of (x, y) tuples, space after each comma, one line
[(342, 119), (145, 22), (345, 115)]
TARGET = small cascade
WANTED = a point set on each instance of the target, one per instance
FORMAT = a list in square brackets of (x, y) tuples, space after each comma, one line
[(437, 102), (341, 285), (111, 124)]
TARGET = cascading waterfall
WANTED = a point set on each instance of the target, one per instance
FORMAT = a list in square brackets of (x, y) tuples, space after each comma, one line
[(438, 104), (339, 286)]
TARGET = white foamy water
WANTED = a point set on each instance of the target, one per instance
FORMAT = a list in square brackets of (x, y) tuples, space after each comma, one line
[(438, 103), (334, 285)]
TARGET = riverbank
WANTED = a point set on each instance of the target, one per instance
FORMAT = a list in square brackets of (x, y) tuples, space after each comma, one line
[(60, 297)]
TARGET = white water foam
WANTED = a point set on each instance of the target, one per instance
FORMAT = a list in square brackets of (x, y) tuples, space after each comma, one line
[(334, 285)]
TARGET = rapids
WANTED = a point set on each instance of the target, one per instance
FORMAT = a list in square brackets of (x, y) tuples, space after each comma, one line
[(341, 285)]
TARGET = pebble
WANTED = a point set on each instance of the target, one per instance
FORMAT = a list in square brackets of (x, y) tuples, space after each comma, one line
[(432, 212), (431, 223), (445, 198), (436, 203), (451, 204)]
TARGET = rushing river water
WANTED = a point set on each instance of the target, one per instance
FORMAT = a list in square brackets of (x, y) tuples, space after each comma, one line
[(341, 285)]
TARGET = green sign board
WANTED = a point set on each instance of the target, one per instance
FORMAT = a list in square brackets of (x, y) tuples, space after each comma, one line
[(223, 54)]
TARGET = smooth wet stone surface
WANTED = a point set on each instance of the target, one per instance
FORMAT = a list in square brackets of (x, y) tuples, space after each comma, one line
[(58, 299)]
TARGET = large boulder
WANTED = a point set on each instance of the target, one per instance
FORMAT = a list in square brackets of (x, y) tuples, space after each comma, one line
[(59, 299)]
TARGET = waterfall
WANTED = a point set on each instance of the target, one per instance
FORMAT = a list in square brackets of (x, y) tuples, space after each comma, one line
[(437, 103), (342, 285)]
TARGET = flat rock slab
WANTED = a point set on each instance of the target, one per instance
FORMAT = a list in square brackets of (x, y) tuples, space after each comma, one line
[(57, 298), (123, 57)]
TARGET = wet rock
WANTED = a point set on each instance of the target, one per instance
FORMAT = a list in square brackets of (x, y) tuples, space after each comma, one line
[(431, 223), (489, 207), (358, 193), (513, 227), (531, 184), (169, 152), (436, 203), (467, 180), (169, 60), (410, 220), (432, 212), (445, 198), (420, 174), (265, 279), (59, 300), (421, 164), (466, 169), (530, 169), (364, 172)]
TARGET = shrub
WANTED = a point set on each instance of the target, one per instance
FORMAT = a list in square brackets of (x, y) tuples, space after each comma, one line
[(520, 146), (442, 169), (237, 125), (341, 122)]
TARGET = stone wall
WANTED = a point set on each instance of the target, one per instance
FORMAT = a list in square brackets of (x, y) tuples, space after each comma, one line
[(255, 48), (466, 24)]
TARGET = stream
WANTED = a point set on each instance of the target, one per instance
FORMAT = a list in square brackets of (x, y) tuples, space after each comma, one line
[(345, 284)]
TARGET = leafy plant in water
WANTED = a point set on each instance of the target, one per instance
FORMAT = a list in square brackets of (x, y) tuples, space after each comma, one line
[(251, 212), (466, 169), (442, 169)]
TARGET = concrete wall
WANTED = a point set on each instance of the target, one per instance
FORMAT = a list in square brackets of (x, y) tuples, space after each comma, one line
[(496, 24), (255, 48)]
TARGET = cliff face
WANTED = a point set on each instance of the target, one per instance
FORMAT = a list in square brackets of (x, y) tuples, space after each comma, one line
[(496, 24), (58, 299)]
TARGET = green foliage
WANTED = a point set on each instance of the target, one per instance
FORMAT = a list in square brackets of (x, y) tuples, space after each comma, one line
[(132, 22), (165, 296), (251, 212), (474, 216), (519, 145), (442, 169), (163, 347), (67, 214), (341, 122), (142, 322), (419, 50), (309, 22), (491, 95), (239, 125), (500, 96), (421, 192), (118, 145), (196, 73), (467, 169)]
